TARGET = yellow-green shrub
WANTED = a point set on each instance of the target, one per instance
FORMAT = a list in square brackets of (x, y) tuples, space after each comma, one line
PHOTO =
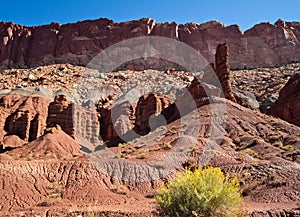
[(205, 192)]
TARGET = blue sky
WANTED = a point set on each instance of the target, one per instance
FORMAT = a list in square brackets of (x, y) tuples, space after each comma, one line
[(245, 13)]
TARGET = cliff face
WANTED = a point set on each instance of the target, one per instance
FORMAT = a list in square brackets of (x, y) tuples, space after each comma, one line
[(263, 45)]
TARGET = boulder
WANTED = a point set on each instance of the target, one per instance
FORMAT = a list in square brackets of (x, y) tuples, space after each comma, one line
[(247, 99), (268, 103)]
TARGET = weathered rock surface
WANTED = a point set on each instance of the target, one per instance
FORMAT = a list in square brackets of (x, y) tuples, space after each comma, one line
[(263, 82), (59, 182), (246, 99), (268, 103), (116, 121), (148, 109), (54, 77), (218, 73), (275, 213), (223, 71), (61, 112), (81, 123), (11, 142), (263, 45), (27, 118), (127, 120), (287, 107), (188, 99), (248, 149), (216, 80)]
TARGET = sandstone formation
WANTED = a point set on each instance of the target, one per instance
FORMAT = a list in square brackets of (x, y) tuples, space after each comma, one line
[(223, 71), (216, 80), (119, 122), (61, 112), (148, 109), (28, 119), (287, 107), (263, 45), (218, 73), (116, 121), (188, 99), (79, 122), (199, 92), (32, 116), (125, 121)]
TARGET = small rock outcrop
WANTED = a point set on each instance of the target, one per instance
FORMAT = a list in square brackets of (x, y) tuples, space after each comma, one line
[(246, 99), (266, 104), (287, 107)]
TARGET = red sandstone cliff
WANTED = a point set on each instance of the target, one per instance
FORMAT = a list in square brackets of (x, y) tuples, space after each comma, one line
[(263, 45)]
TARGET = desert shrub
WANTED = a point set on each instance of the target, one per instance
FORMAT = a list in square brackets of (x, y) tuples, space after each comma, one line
[(205, 192)]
